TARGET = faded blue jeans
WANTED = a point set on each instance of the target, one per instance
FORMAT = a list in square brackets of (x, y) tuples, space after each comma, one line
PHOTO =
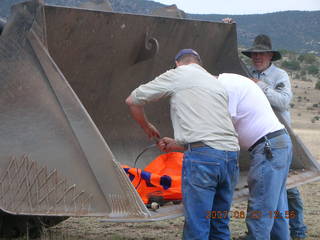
[(267, 213), (297, 226), (209, 177)]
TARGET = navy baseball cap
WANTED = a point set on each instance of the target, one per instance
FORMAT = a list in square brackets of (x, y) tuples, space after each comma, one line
[(187, 51)]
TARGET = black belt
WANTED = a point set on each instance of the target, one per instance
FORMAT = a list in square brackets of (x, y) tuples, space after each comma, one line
[(195, 145), (268, 136)]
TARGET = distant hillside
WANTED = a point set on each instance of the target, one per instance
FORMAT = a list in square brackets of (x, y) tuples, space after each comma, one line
[(292, 30), (135, 6)]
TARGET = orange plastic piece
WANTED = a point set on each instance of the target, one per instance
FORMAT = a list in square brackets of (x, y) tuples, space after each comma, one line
[(161, 178)]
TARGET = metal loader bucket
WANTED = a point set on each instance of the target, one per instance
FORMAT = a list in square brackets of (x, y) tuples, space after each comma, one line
[(105, 56)]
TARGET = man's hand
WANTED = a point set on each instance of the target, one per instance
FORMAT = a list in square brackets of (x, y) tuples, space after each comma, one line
[(228, 20), (167, 144), (151, 131)]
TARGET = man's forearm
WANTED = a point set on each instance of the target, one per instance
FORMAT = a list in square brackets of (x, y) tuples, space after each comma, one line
[(278, 98), (138, 114)]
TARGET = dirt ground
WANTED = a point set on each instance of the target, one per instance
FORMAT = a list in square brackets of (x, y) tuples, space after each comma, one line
[(305, 109)]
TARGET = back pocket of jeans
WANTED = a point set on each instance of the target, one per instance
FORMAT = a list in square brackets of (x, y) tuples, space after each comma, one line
[(205, 174)]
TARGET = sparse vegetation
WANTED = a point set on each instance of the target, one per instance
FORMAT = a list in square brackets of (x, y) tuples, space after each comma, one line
[(304, 67), (291, 65), (308, 58), (317, 85), (313, 69)]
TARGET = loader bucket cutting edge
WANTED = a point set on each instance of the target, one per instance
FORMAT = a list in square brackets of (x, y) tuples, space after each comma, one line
[(65, 74)]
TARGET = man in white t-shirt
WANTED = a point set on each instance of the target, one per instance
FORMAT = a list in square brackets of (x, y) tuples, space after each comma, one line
[(270, 150)]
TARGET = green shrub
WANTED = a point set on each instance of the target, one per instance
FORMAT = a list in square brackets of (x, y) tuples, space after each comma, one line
[(284, 51), (315, 118), (317, 85), (291, 65), (313, 69), (303, 78), (307, 58)]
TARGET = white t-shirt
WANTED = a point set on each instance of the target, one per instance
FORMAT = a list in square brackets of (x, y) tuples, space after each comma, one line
[(249, 108), (199, 106)]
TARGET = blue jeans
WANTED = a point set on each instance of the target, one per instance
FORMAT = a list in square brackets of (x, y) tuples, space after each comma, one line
[(209, 177), (297, 226), (267, 213)]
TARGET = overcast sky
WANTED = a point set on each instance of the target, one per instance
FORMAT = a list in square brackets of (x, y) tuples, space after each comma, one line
[(242, 6)]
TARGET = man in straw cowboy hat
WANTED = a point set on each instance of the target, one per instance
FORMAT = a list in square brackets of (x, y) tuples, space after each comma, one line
[(275, 83)]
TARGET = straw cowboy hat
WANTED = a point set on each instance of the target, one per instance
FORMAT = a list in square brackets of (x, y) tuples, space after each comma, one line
[(262, 43)]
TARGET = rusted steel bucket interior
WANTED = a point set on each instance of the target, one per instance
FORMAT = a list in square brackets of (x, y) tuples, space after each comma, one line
[(65, 74)]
